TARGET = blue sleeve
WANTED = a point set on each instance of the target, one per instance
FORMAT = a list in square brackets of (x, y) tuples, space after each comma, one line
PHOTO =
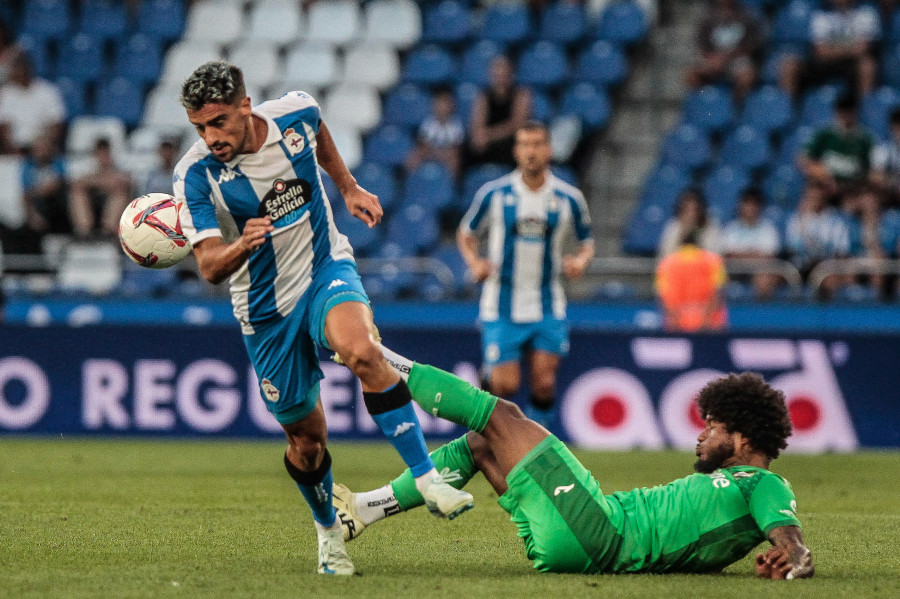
[(581, 220), (197, 192), (479, 208)]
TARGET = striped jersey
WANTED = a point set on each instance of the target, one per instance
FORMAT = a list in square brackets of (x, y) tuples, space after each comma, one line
[(281, 180), (526, 230)]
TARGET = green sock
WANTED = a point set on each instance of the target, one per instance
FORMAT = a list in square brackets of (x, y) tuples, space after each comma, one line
[(449, 397), (453, 461)]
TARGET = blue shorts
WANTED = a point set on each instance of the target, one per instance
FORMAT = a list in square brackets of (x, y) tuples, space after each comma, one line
[(506, 341), (284, 353)]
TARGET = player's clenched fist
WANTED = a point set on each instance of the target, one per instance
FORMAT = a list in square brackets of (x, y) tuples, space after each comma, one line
[(255, 231), (774, 563)]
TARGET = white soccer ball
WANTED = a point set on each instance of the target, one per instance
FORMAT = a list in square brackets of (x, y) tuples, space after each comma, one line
[(150, 231)]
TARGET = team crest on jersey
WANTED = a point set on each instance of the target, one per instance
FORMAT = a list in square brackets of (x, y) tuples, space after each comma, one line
[(294, 142), (270, 393), (285, 198), (531, 228)]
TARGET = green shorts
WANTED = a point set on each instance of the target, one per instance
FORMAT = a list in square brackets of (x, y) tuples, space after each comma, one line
[(561, 513)]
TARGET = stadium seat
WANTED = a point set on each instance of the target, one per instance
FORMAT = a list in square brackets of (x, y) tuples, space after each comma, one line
[(466, 94), (217, 21), (354, 105), (795, 143), (12, 210), (722, 188), (279, 22), (710, 108), (431, 186), (84, 132), (768, 109), (139, 59), (476, 62), (543, 65), (397, 23), (449, 256), (335, 22), (818, 106), (875, 111), (784, 187), (378, 179), (91, 267), (622, 22), (790, 29), (602, 63), (315, 64), (563, 23), (372, 63), (890, 66), (430, 65), (415, 228), (259, 61), (104, 19), (81, 59), (38, 53), (589, 103), (407, 105), (507, 23), (121, 99), (663, 188), (74, 95), (746, 148), (348, 141), (185, 56), (477, 176), (447, 22), (687, 147), (543, 107), (161, 19), (47, 19), (388, 145), (364, 239), (163, 111)]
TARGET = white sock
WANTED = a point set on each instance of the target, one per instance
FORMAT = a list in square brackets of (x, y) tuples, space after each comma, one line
[(402, 365), (372, 506)]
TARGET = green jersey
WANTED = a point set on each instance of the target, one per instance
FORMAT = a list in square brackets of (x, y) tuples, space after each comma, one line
[(844, 153)]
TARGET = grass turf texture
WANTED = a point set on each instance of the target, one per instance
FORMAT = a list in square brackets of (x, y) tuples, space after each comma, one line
[(124, 518)]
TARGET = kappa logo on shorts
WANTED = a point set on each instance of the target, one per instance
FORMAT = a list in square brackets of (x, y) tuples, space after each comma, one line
[(270, 393), (563, 489)]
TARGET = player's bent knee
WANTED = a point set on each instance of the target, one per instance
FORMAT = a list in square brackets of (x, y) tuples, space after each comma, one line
[(305, 452)]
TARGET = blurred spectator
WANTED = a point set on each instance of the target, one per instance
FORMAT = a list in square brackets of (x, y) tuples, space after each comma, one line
[(730, 40), (751, 235), (690, 282), (844, 38), (838, 155), (885, 162), (816, 232), (690, 215), (9, 49), (30, 107), (497, 113), (160, 178), (440, 136), (871, 235), (99, 197)]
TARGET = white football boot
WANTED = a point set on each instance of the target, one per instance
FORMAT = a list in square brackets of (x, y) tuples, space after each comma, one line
[(345, 504), (333, 558), (445, 501)]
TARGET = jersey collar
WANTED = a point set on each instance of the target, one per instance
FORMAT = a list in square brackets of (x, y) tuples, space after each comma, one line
[(519, 183)]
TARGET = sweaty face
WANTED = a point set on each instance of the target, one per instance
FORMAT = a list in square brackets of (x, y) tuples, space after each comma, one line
[(224, 127), (532, 150), (715, 447)]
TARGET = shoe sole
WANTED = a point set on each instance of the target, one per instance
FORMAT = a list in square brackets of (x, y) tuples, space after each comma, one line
[(460, 511)]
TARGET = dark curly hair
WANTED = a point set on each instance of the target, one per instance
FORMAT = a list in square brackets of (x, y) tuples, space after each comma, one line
[(213, 82), (745, 403)]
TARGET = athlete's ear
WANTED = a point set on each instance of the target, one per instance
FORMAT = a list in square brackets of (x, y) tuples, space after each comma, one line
[(245, 106)]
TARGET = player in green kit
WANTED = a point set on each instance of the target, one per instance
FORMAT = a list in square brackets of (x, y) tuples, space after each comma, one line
[(700, 523)]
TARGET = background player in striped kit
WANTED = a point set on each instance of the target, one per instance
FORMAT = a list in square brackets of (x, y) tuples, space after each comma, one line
[(254, 210), (523, 308)]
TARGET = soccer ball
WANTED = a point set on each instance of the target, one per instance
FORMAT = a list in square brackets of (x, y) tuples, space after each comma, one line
[(150, 231)]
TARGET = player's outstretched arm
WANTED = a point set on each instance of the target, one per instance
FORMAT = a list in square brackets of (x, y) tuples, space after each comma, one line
[(788, 558)]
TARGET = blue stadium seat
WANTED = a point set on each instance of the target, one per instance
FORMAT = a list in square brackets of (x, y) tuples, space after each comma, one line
[(543, 65), (768, 109), (449, 22), (564, 23), (74, 94), (476, 62), (37, 51), (104, 19), (507, 23), (875, 111), (746, 148), (162, 19), (138, 59), (818, 106), (430, 186), (795, 143), (388, 145), (709, 108), (589, 103), (449, 255), (47, 19), (687, 147), (430, 65), (890, 66), (623, 22), (81, 59), (407, 105), (378, 179), (365, 240), (566, 173), (791, 25), (415, 228), (602, 63), (478, 176), (120, 98), (783, 187), (663, 188), (466, 93), (722, 188), (543, 108)]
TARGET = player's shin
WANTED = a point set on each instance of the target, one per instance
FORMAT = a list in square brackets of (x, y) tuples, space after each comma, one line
[(393, 412), (316, 488), (449, 397)]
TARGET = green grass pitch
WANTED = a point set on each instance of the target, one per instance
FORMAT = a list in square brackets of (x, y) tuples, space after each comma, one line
[(126, 518)]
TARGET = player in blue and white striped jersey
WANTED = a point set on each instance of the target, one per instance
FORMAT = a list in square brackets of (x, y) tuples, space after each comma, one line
[(255, 210), (527, 214)]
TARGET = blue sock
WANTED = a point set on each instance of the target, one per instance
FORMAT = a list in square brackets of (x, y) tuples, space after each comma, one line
[(393, 412), (316, 488)]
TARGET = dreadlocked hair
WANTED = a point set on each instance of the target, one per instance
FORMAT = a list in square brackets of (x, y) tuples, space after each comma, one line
[(745, 403), (215, 82)]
